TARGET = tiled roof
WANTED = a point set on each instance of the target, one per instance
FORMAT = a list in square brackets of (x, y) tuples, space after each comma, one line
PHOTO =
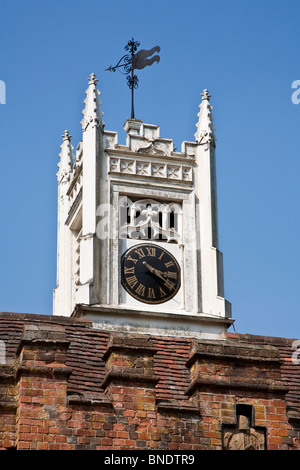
[(88, 345)]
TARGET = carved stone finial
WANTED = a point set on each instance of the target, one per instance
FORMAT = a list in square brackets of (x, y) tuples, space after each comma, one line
[(205, 95), (66, 136), (92, 79)]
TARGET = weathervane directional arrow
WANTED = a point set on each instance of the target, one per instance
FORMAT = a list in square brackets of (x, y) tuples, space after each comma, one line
[(132, 61)]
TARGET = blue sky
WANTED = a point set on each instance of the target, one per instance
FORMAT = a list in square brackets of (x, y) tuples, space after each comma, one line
[(244, 52)]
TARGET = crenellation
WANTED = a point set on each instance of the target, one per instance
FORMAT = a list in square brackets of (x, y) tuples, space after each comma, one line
[(188, 149), (110, 139)]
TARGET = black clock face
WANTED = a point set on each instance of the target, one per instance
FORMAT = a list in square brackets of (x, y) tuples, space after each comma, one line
[(150, 274)]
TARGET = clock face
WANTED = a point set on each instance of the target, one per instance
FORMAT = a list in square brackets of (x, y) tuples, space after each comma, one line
[(150, 273)]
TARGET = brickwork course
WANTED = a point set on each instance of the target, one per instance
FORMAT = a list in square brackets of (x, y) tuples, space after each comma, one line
[(67, 385)]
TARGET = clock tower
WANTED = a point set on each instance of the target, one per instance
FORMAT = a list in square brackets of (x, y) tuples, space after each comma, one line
[(137, 244)]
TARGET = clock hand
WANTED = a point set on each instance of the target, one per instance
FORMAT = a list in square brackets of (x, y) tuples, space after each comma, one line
[(154, 270), (151, 269), (160, 274), (166, 274)]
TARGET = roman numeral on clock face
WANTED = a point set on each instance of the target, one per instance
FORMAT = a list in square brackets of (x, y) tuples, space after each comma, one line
[(172, 274), (129, 270), (169, 264), (162, 292), (170, 285), (140, 252), (131, 281), (140, 290), (151, 251), (151, 293)]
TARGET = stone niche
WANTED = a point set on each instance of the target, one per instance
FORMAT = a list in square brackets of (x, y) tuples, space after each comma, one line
[(244, 435)]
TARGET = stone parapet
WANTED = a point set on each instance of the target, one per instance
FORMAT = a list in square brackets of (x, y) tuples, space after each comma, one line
[(69, 386), (217, 364), (129, 359)]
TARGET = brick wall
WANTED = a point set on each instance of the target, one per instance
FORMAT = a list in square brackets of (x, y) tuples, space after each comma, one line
[(226, 376), (234, 397)]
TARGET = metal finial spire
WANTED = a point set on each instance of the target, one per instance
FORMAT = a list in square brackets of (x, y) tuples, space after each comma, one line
[(134, 60)]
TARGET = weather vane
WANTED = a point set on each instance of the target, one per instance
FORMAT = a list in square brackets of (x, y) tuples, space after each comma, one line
[(132, 61)]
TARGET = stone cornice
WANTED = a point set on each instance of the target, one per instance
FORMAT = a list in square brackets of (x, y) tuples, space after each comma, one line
[(175, 156), (256, 385), (229, 351), (117, 375), (177, 407), (77, 400)]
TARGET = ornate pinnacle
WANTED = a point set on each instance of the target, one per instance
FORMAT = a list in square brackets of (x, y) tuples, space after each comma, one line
[(92, 114), (205, 128), (66, 158)]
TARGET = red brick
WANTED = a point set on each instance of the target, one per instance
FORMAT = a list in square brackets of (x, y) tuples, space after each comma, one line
[(275, 440), (106, 442), (130, 413), (118, 442), (23, 445), (42, 446)]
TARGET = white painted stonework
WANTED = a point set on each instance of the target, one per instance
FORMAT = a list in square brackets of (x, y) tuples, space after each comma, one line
[(145, 179)]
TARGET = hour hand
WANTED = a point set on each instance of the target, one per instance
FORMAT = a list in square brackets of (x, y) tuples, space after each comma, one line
[(154, 270), (159, 274), (151, 269)]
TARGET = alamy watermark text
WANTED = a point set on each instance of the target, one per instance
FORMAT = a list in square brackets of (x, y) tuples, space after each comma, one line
[(2, 92)]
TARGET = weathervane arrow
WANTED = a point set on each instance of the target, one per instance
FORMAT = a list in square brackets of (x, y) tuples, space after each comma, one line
[(132, 61)]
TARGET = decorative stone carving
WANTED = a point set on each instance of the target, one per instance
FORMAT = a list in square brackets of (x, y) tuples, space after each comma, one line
[(127, 166), (151, 148), (243, 436), (159, 171), (143, 169), (205, 137), (151, 169)]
